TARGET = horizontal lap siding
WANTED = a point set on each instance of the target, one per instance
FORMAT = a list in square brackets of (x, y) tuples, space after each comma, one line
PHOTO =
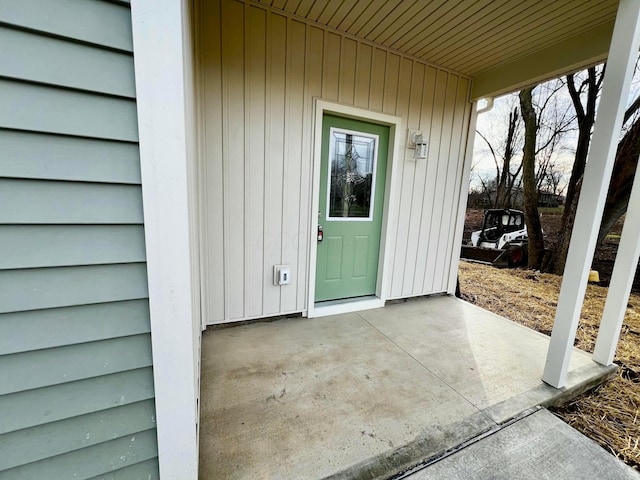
[(54, 157), (75, 347), (262, 71), (113, 423)]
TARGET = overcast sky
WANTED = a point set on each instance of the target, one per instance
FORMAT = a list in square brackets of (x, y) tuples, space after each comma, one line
[(493, 125)]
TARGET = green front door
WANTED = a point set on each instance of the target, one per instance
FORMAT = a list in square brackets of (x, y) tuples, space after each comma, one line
[(352, 178)]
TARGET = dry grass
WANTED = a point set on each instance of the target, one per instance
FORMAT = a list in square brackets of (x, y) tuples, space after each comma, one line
[(610, 414)]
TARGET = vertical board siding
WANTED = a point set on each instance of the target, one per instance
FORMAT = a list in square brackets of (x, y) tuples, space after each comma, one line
[(75, 348), (414, 252), (233, 49), (415, 168), (274, 166), (331, 72), (214, 228), (434, 261), (430, 198), (401, 218), (314, 50), (461, 122), (293, 154), (260, 75), (363, 76), (255, 63)]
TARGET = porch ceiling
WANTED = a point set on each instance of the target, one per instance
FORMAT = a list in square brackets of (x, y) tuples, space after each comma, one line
[(501, 44)]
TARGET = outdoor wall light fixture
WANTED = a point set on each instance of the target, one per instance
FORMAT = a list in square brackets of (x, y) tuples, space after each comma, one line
[(418, 143)]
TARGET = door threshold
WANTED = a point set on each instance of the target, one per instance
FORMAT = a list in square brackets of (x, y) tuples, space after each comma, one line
[(345, 305)]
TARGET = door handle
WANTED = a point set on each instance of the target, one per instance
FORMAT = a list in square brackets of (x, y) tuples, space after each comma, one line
[(320, 233)]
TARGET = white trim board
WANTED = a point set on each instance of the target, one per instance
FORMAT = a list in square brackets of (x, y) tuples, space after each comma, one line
[(160, 39), (390, 199)]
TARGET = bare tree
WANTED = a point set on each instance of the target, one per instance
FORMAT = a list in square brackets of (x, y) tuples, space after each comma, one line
[(555, 118), (501, 188), (589, 88), (590, 85), (624, 170), (547, 120), (532, 218), (624, 167), (552, 180)]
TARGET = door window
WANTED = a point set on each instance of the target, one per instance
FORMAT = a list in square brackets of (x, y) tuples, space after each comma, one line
[(352, 167)]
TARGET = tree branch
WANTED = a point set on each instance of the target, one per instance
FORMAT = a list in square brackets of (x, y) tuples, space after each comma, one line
[(575, 98), (632, 109)]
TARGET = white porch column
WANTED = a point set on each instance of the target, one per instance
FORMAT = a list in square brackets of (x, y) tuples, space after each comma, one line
[(163, 70), (621, 281), (620, 65)]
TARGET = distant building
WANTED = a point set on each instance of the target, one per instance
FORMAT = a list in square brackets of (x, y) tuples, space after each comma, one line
[(548, 199)]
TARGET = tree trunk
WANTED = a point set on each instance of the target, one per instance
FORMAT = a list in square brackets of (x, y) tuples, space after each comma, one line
[(586, 118), (504, 187), (624, 170), (532, 218), (562, 247)]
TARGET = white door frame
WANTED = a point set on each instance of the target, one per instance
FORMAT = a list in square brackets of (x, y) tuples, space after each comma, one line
[(387, 239)]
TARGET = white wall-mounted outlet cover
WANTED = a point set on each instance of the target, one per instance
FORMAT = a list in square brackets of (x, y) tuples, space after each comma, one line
[(281, 275)]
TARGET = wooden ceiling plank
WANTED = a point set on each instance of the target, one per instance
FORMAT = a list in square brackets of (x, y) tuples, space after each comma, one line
[(587, 48), (462, 35), (372, 8), (292, 6), (316, 10), (483, 28), (279, 4), (329, 11), (568, 25), (391, 18), (354, 14), (378, 16), (408, 21), (498, 61), (443, 29), (478, 47), (427, 25), (304, 7), (342, 13), (459, 32)]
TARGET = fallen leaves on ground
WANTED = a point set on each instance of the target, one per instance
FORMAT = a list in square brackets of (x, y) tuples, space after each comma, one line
[(609, 414)]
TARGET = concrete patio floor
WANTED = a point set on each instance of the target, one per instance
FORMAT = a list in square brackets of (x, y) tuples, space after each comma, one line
[(367, 394)]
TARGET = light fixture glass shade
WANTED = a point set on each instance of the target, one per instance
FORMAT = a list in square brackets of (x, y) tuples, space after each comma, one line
[(421, 148)]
